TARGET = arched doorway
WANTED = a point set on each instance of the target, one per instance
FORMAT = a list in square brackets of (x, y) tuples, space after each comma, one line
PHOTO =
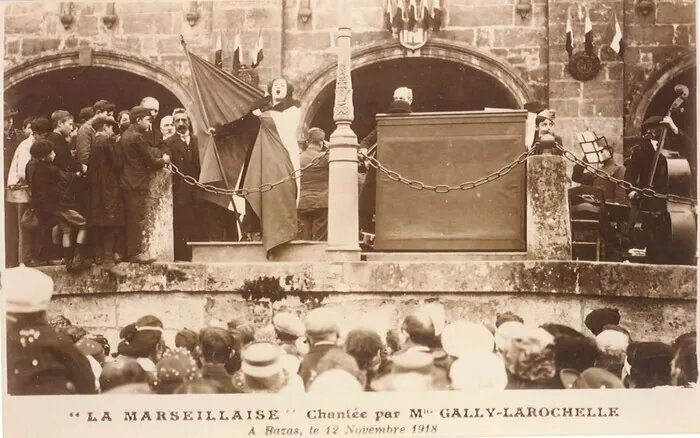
[(437, 84), (433, 75), (73, 88), (40, 86)]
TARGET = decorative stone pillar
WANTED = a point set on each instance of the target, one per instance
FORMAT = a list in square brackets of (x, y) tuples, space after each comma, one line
[(548, 222), (343, 221), (158, 240)]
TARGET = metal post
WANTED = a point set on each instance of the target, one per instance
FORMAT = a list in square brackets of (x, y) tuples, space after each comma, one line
[(343, 221)]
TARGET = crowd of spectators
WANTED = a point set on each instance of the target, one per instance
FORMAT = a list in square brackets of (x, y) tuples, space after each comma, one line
[(297, 354)]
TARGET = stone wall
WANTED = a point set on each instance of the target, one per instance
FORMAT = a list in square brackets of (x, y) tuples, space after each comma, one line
[(656, 302), (533, 46)]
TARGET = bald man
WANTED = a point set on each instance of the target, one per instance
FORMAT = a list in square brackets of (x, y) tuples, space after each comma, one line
[(152, 104)]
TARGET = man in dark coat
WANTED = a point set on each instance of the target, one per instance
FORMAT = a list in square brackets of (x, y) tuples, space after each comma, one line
[(313, 199), (182, 147), (322, 332), (138, 166), (38, 362), (62, 122), (217, 348), (403, 98)]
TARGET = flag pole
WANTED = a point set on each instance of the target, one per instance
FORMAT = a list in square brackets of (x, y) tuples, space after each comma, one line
[(206, 128)]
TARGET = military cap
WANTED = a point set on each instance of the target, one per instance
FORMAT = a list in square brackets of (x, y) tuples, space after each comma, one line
[(26, 290), (289, 323), (592, 378), (548, 114), (598, 318), (321, 321), (653, 120), (650, 357), (138, 112)]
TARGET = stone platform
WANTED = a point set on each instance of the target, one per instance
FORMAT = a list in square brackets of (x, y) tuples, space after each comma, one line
[(656, 302)]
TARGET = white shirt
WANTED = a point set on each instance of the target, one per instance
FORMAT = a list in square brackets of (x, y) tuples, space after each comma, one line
[(19, 161)]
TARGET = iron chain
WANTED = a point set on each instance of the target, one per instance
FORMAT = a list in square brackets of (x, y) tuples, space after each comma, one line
[(625, 185), (266, 187), (445, 188)]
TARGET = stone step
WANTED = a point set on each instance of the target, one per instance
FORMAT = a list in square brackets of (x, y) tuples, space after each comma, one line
[(228, 252), (441, 256)]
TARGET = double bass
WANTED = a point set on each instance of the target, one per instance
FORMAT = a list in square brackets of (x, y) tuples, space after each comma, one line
[(671, 227)]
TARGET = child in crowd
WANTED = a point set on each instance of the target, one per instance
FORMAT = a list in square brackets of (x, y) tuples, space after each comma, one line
[(53, 201)]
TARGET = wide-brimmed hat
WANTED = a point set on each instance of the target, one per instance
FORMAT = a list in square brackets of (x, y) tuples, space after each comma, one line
[(261, 360), (529, 356)]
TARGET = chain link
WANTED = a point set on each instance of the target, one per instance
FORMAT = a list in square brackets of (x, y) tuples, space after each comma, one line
[(625, 185), (445, 188), (266, 187)]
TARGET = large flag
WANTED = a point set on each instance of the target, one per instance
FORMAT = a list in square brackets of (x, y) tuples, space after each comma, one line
[(217, 52), (436, 15), (389, 16), (412, 15), (220, 98), (258, 51), (569, 35), (617, 44), (588, 34), (272, 160), (237, 53)]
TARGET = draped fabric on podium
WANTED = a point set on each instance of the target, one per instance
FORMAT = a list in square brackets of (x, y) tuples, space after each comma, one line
[(272, 160), (220, 98)]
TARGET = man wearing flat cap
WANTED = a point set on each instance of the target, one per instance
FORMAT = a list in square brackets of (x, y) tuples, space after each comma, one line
[(138, 166), (38, 362), (323, 332)]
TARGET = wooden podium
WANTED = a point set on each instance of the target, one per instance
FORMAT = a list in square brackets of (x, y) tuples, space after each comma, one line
[(451, 148)]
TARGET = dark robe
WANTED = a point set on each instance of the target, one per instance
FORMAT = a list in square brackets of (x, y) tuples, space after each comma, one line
[(64, 159), (106, 197)]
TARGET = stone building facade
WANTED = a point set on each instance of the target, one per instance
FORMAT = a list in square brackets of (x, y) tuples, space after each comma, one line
[(484, 48)]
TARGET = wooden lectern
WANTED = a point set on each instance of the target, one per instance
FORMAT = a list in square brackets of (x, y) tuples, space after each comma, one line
[(451, 148)]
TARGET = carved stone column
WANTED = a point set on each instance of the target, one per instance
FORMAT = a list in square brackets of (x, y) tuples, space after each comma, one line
[(343, 222)]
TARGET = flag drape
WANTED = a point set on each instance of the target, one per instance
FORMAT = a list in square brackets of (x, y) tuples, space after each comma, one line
[(569, 35), (617, 44), (220, 98)]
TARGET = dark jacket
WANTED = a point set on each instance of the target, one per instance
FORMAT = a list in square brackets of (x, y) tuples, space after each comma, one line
[(50, 187), (138, 160), (307, 368), (106, 197), (64, 159), (613, 193), (186, 158), (314, 181), (46, 365)]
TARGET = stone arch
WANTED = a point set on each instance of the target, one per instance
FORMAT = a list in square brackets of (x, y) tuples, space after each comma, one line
[(655, 84), (100, 58), (436, 49)]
